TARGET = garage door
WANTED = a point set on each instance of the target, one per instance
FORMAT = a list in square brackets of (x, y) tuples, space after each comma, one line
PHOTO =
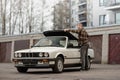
[(21, 44), (96, 44), (5, 52), (114, 49)]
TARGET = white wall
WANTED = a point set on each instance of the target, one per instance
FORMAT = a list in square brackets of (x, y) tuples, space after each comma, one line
[(97, 11), (93, 12), (74, 12)]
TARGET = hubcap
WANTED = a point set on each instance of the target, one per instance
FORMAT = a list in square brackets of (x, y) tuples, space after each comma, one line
[(60, 65)]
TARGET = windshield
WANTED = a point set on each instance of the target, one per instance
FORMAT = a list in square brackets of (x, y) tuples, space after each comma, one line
[(55, 41)]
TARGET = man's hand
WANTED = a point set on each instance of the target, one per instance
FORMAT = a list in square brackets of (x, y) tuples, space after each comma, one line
[(66, 30)]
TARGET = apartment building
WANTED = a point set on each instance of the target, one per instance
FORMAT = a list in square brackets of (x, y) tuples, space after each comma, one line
[(74, 12), (106, 13), (95, 13), (98, 13), (81, 12), (113, 12)]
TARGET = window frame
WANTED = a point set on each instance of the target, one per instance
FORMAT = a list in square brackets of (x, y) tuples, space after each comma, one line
[(103, 17), (116, 18), (102, 3)]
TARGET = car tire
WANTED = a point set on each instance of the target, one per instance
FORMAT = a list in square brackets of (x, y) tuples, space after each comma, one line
[(88, 64), (58, 68), (22, 69)]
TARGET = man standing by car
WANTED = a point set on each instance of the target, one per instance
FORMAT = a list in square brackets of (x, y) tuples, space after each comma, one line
[(82, 43)]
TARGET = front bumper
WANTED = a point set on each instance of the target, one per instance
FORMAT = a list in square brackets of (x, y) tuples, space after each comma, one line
[(34, 62)]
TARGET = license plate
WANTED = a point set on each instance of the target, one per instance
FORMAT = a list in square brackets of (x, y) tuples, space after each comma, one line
[(30, 61)]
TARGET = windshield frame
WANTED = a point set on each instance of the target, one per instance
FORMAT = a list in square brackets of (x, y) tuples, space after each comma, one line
[(66, 41)]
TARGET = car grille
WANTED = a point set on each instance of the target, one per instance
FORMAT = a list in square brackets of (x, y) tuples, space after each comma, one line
[(30, 54)]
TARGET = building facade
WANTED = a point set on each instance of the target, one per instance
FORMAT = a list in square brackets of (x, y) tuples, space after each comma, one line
[(106, 13), (74, 12), (94, 13), (81, 12), (113, 12)]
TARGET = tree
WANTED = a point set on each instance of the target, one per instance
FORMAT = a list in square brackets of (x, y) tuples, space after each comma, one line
[(61, 15), (42, 22), (23, 16), (3, 15)]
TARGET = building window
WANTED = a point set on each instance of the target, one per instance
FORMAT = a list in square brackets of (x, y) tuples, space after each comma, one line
[(82, 17), (117, 1), (72, 19), (102, 19), (82, 1), (82, 8), (102, 2), (117, 18), (72, 11), (73, 3), (84, 24)]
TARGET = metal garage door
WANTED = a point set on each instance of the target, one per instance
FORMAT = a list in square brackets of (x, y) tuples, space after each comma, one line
[(5, 51), (114, 49), (96, 44), (21, 44)]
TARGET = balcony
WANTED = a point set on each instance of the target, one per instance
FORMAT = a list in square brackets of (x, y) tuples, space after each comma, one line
[(115, 22), (82, 11), (82, 2), (111, 23), (113, 6), (82, 19)]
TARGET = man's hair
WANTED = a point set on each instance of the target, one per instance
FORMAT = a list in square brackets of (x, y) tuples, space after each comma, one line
[(80, 23)]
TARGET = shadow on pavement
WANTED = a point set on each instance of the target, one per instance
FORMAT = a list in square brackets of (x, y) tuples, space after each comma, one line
[(68, 70)]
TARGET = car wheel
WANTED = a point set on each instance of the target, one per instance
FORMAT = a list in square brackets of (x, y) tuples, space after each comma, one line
[(58, 65), (88, 64), (22, 70)]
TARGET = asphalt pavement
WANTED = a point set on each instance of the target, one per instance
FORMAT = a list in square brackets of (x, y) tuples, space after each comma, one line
[(97, 72)]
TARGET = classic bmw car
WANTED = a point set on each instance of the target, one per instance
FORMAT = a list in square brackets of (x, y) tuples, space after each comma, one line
[(57, 50)]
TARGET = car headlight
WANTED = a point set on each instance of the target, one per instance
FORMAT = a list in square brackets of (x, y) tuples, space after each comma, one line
[(43, 54), (40, 54), (16, 55), (46, 54), (19, 55)]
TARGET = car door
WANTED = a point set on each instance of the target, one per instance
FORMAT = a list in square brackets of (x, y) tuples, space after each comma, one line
[(72, 56), (72, 52)]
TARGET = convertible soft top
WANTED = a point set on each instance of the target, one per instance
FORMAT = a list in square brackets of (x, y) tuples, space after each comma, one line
[(59, 33)]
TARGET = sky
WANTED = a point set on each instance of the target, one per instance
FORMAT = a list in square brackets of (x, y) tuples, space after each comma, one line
[(38, 3)]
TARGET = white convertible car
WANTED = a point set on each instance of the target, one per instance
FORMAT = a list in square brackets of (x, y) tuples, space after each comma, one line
[(57, 50)]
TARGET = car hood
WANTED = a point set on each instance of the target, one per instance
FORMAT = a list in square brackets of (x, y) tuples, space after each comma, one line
[(40, 49)]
